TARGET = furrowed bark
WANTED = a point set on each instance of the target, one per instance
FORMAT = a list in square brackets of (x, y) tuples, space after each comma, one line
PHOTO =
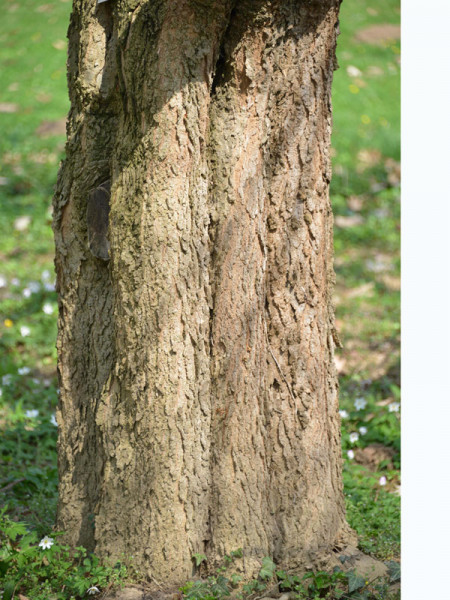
[(198, 406)]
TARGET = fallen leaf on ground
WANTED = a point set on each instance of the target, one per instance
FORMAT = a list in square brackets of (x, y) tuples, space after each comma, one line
[(44, 8), (363, 290), (48, 128), (8, 107), (378, 34), (374, 71), (350, 221), (393, 170), (368, 157), (355, 203), (59, 45), (392, 283), (43, 97), (373, 455)]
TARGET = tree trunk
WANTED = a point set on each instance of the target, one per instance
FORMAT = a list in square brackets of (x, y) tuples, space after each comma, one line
[(198, 397)]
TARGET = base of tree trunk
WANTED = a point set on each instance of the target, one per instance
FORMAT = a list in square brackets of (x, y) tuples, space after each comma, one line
[(363, 564)]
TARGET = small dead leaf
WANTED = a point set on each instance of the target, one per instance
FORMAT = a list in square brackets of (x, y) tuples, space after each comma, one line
[(392, 283), (43, 97), (49, 128), (13, 87), (385, 401), (363, 290), (8, 107), (393, 170), (368, 157), (350, 221), (43, 157), (22, 597), (373, 455), (59, 45), (44, 8), (355, 203), (374, 71), (378, 34), (360, 82)]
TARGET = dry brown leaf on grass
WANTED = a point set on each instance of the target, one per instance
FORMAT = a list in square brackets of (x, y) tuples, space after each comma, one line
[(378, 34), (48, 128), (8, 107), (355, 203), (367, 158), (350, 221)]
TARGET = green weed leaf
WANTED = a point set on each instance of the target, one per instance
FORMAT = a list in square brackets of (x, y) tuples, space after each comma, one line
[(355, 582), (267, 569), (393, 570), (199, 558)]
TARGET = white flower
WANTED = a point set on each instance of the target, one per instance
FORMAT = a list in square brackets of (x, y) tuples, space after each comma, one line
[(15, 281), (46, 382), (354, 437), (46, 542), (93, 590), (353, 71), (53, 421), (24, 331), (344, 414), (45, 275), (1, 392), (3, 281), (26, 292), (50, 287), (24, 371), (22, 223), (363, 430), (383, 480), (350, 454), (48, 308), (360, 403), (34, 286), (394, 407), (32, 414), (7, 379)]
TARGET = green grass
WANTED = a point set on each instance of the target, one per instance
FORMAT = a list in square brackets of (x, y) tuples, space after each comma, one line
[(365, 198)]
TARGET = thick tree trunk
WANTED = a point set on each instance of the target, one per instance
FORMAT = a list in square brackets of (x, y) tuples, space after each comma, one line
[(198, 404)]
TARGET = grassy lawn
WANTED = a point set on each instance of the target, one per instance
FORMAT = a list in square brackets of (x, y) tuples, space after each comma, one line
[(365, 197)]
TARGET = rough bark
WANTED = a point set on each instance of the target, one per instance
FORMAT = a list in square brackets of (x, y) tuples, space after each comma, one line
[(198, 406)]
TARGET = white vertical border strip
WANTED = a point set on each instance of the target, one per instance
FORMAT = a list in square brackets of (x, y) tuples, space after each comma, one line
[(425, 298)]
